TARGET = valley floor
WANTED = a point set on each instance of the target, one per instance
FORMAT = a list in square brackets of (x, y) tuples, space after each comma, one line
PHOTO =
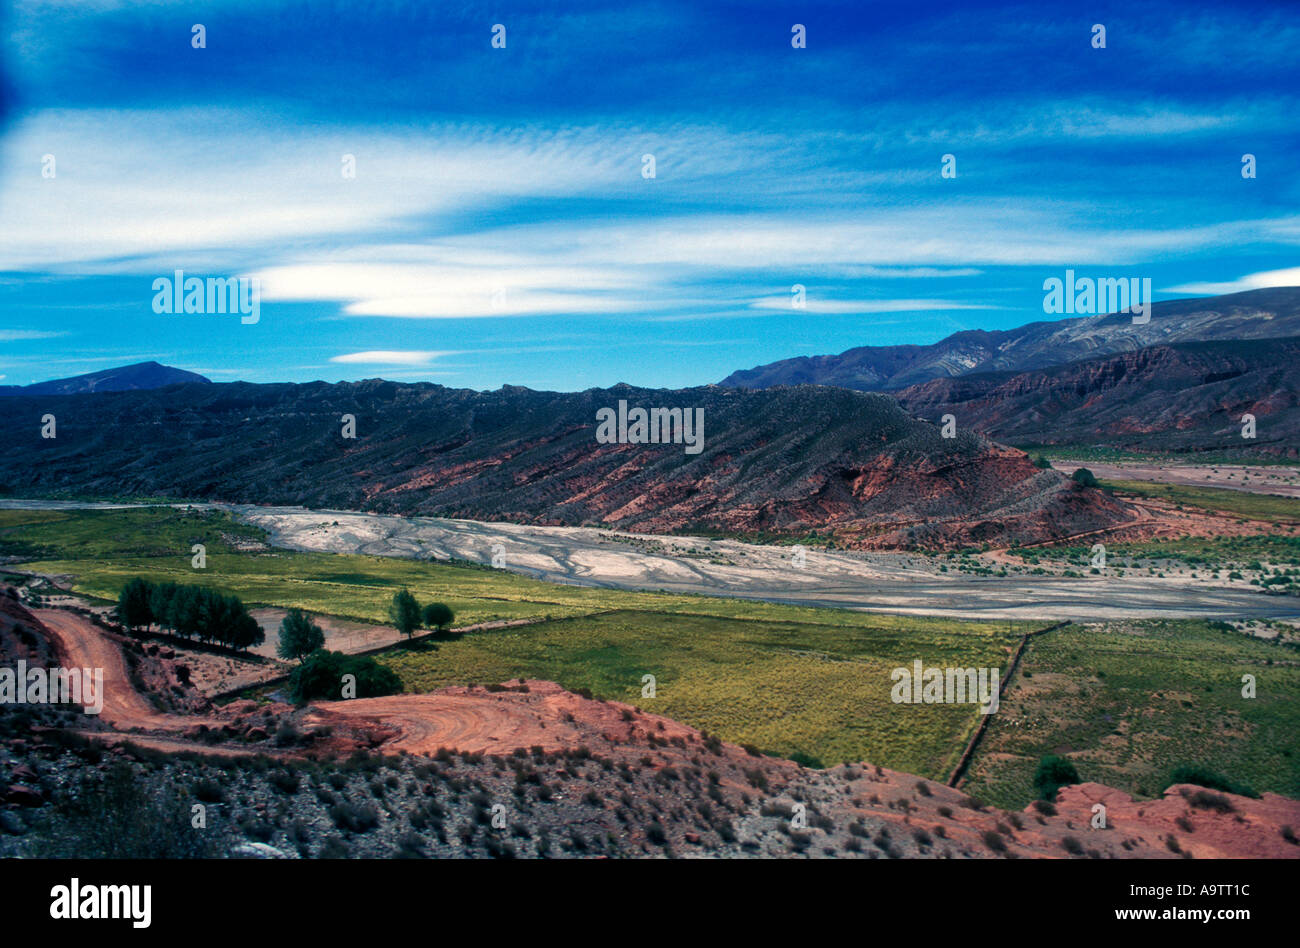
[(885, 582)]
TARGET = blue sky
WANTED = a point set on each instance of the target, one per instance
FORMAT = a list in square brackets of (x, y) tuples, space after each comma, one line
[(499, 229)]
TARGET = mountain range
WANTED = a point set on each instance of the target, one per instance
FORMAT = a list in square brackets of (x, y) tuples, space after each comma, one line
[(1188, 397), (1255, 314), (1182, 382), (791, 461), (869, 469)]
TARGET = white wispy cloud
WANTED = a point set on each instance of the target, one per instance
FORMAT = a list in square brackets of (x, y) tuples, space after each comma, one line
[(22, 335), (391, 357), (814, 305), (478, 284), (1251, 281), (419, 233)]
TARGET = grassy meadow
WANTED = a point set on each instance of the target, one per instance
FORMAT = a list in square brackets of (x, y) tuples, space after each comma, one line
[(1223, 500), (785, 686), (1129, 701)]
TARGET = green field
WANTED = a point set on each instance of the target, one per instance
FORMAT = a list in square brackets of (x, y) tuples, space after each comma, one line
[(819, 688), (1078, 455), (1218, 499), (1213, 554), (1131, 701), (786, 679)]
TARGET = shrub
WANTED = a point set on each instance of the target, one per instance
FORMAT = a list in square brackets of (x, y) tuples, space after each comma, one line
[(334, 848), (321, 676), (286, 781), (1205, 800), (438, 615), (1053, 773), (118, 815), (287, 734), (207, 790), (1203, 776), (354, 818)]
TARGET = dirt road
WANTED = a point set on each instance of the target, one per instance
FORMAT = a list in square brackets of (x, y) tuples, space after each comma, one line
[(464, 719), (486, 722), (83, 645)]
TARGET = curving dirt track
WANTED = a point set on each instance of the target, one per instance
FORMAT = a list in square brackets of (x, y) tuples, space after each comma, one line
[(463, 719), (486, 722), (81, 645)]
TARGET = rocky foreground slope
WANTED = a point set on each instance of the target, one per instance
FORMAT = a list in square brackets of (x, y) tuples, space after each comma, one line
[(788, 461)]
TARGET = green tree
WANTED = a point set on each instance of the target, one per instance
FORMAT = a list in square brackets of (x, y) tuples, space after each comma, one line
[(163, 605), (321, 676), (405, 613), (233, 624), (134, 609), (245, 632), (187, 611), (1052, 774), (202, 613), (1043, 463), (1084, 477), (438, 615), (299, 636)]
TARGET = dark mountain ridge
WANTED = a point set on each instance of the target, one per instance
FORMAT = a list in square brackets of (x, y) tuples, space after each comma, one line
[(788, 461)]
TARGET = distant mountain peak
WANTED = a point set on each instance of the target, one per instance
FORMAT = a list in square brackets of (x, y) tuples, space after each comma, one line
[(138, 376)]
